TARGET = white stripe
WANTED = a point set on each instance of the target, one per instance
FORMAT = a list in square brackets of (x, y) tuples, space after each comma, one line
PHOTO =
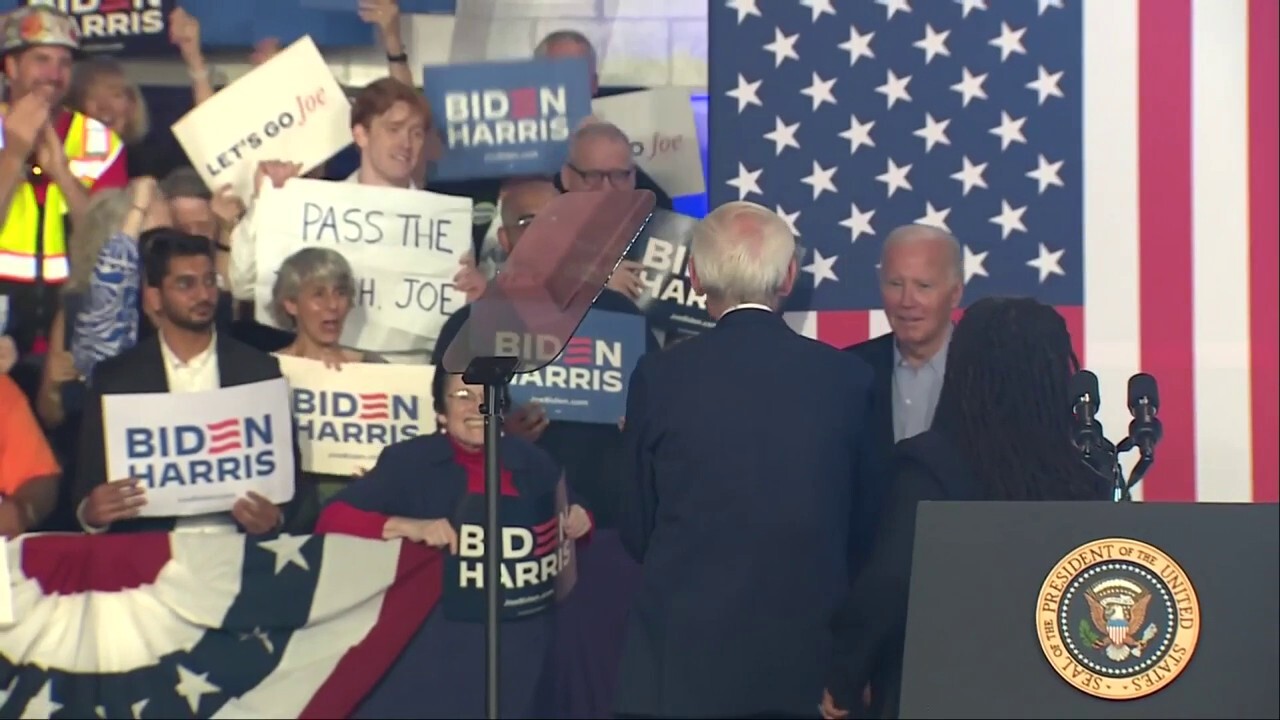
[(1220, 212), (1110, 177), (803, 322), (116, 632), (877, 323), (23, 267), (349, 594)]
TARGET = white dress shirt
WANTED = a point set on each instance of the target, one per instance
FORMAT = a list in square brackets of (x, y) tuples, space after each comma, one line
[(747, 306), (199, 374)]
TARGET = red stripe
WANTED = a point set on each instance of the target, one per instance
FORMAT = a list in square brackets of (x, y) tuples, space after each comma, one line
[(843, 328), (70, 564), (406, 605), (1166, 290), (1264, 236)]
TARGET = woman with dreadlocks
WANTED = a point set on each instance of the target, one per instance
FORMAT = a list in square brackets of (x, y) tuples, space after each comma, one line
[(1001, 432)]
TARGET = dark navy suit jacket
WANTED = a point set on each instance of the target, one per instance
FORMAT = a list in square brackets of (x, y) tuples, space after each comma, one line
[(744, 473)]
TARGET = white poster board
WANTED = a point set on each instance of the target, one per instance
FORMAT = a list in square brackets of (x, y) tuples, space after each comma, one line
[(346, 416), (289, 108), (664, 137), (198, 453), (404, 246)]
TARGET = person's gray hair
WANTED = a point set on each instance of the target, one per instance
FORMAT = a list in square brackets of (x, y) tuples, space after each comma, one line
[(559, 36), (105, 215), (308, 265), (742, 253), (916, 232), (593, 129), (185, 182)]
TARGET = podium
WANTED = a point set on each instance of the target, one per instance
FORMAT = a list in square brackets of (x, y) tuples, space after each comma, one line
[(1093, 610)]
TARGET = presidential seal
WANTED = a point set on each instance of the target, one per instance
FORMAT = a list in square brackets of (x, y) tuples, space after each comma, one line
[(1118, 619)]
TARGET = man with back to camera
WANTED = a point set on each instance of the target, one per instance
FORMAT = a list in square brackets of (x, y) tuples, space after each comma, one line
[(744, 468)]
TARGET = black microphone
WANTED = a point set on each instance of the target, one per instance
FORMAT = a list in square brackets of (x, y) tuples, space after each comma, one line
[(1144, 404), (1085, 402)]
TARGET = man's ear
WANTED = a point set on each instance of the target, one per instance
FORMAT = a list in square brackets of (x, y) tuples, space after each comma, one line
[(694, 282), (361, 135), (504, 241), (151, 299), (789, 282)]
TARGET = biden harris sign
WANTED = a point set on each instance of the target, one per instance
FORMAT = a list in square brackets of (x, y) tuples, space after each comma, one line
[(588, 381), (499, 119), (197, 453)]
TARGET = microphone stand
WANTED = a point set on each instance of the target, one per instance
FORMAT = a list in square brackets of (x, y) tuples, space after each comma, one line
[(493, 373), (1104, 459)]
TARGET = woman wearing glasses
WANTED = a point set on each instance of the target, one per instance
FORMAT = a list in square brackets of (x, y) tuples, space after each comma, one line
[(419, 491)]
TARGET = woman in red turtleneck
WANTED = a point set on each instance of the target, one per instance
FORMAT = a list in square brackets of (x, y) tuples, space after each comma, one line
[(416, 492)]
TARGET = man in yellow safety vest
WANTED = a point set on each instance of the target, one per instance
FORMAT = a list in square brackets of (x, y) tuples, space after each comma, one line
[(51, 159)]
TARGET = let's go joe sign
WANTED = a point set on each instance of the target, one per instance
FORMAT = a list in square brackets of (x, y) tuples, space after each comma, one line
[(289, 108)]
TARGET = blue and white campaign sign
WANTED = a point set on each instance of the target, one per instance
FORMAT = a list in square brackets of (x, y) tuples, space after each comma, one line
[(197, 453), (668, 299), (127, 28), (345, 417), (507, 118), (536, 555), (588, 381)]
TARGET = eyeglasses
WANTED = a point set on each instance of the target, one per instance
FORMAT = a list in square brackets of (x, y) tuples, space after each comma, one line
[(466, 395), (597, 177)]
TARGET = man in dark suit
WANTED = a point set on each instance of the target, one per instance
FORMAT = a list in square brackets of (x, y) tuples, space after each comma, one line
[(743, 470), (921, 282), (184, 355)]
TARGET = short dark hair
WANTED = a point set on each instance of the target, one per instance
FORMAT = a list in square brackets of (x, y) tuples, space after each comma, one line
[(185, 182), (161, 245)]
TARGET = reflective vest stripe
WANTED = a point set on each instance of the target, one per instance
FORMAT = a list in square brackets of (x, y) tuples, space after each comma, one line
[(23, 267), (84, 148)]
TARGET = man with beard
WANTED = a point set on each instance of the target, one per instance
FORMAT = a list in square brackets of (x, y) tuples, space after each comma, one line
[(185, 355), (50, 160)]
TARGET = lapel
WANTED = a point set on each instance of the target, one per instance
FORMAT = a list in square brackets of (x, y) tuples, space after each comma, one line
[(149, 375), (223, 355), (884, 389)]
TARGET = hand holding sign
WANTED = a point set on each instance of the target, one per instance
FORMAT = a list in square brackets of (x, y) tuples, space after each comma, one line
[(438, 533), (256, 514), (527, 422), (578, 523), (627, 279), (278, 171), (114, 501)]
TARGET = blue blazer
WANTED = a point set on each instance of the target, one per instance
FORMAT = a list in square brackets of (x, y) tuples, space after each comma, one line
[(745, 465)]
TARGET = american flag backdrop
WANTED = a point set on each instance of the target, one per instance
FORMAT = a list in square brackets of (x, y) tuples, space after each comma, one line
[(1115, 158)]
